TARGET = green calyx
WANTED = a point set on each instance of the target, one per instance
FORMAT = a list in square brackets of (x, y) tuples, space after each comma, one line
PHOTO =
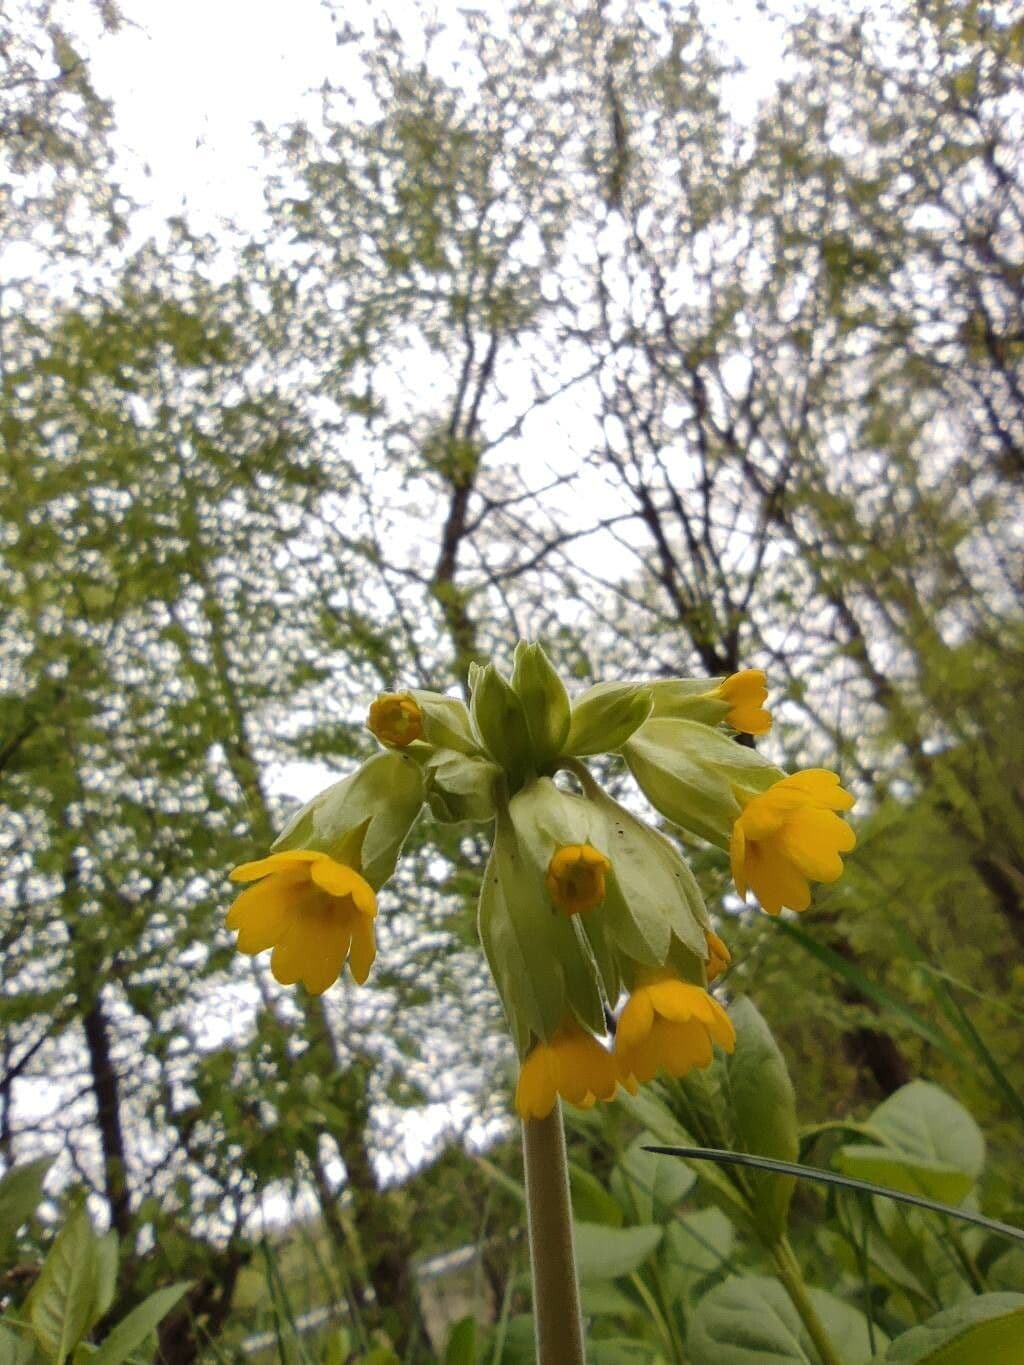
[(688, 771), (605, 716), (364, 819)]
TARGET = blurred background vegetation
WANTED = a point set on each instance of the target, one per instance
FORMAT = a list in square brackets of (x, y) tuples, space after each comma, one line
[(548, 333)]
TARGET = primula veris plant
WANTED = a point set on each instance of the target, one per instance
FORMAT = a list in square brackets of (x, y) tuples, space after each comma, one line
[(582, 903)]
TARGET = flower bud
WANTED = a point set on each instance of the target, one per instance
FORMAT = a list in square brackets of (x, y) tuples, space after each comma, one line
[(500, 722), (363, 820), (395, 719), (737, 700), (688, 771), (545, 701), (605, 716)]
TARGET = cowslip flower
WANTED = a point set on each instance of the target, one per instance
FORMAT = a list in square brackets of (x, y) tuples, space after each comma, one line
[(396, 719), (571, 1063), (746, 694), (719, 956), (671, 1024), (314, 912), (789, 836), (576, 877)]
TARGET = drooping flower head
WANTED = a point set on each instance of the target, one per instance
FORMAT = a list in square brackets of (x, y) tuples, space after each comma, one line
[(573, 1064), (314, 912), (789, 836), (746, 694), (576, 877), (669, 1024), (396, 719)]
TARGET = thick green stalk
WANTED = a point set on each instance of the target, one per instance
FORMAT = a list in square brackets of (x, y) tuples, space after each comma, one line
[(788, 1270), (556, 1297)]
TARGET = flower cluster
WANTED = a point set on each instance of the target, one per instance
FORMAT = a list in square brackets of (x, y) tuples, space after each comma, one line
[(581, 901)]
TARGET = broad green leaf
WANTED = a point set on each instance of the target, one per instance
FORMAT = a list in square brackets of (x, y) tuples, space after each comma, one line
[(751, 1321), (21, 1189), (106, 1276), (62, 1298), (924, 1121), (883, 1166), (620, 1351), (988, 1330), (764, 1112), (935, 1147), (695, 1247), (133, 1330), (461, 1348), (654, 1184), (17, 1346), (604, 1253), (601, 1298), (591, 1202)]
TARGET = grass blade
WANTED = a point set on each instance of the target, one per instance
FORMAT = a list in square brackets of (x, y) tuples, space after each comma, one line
[(846, 1182)]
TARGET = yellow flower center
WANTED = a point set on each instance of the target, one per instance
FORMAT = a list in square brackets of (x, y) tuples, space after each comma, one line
[(396, 719), (575, 878)]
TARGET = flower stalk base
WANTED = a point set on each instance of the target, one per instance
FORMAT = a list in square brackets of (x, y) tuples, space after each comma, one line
[(556, 1298)]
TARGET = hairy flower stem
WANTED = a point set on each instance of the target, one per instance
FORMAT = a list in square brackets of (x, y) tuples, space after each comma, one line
[(787, 1267), (556, 1297)]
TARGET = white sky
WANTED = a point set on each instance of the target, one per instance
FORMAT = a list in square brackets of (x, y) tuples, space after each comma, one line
[(190, 78)]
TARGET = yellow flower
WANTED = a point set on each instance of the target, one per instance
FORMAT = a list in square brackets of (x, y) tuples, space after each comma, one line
[(719, 956), (788, 836), (396, 719), (575, 878), (669, 1023), (746, 694), (573, 1064), (312, 911)]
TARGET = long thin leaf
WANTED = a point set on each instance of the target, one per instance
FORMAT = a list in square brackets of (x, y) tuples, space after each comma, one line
[(870, 989), (847, 1182)]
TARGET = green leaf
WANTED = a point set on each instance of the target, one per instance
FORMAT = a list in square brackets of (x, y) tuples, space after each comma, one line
[(764, 1112), (106, 1276), (988, 1330), (601, 1298), (655, 1184), (751, 1321), (21, 1189), (591, 1202), (696, 1247), (936, 1148), (62, 1298), (16, 1347), (604, 1253), (461, 1348), (133, 1330)]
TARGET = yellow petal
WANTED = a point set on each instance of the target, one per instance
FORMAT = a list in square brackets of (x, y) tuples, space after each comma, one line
[(635, 1020), (538, 1084), (341, 881), (313, 951), (263, 912), (820, 784), (274, 862), (775, 882), (363, 950), (810, 840), (681, 1047)]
